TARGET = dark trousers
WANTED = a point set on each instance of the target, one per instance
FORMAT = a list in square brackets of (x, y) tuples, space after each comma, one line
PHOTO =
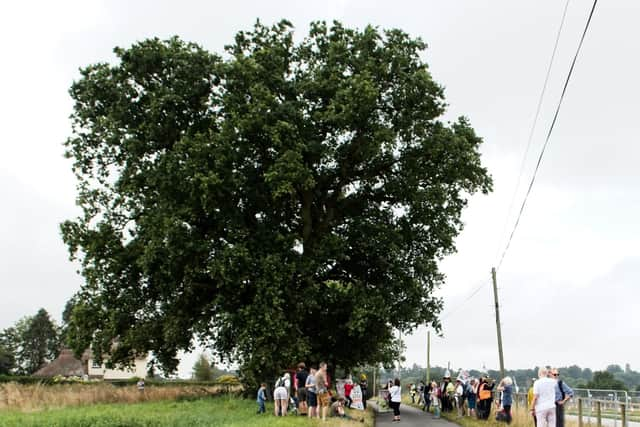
[(483, 409), (349, 401), (507, 413), (559, 415), (396, 408)]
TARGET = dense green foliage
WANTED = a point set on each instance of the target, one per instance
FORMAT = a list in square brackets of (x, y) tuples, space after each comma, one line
[(29, 344), (605, 380), (290, 202), (7, 360), (198, 413)]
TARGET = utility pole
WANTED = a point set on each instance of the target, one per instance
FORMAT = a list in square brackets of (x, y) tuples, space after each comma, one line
[(495, 297), (428, 357)]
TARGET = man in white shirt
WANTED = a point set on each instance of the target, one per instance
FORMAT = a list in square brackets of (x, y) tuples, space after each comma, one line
[(544, 400)]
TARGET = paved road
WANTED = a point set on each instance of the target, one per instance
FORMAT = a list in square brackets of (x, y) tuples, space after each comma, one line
[(410, 417)]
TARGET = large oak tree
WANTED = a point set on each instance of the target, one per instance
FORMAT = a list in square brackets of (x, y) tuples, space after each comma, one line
[(286, 201)]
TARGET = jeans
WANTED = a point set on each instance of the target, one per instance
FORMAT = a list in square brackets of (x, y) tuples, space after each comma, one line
[(261, 409)]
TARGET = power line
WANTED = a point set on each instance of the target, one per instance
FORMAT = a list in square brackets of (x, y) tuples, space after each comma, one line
[(535, 120), (546, 142), (461, 304)]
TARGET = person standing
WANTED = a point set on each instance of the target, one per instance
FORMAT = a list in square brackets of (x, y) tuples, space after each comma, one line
[(363, 388), (281, 395), (427, 396), (435, 399), (544, 400), (563, 393), (484, 398), (471, 396), (459, 397), (530, 402), (261, 398), (312, 399), (322, 391), (506, 387), (395, 396), (412, 392), (301, 391), (421, 393)]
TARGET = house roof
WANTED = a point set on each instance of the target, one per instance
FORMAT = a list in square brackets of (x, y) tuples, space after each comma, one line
[(65, 365)]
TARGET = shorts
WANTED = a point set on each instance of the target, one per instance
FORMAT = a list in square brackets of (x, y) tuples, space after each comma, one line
[(324, 399), (280, 393), (312, 399), (302, 395)]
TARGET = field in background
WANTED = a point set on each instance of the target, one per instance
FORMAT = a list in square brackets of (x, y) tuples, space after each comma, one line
[(205, 412), (34, 397)]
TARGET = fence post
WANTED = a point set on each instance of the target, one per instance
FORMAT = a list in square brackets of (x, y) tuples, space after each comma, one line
[(580, 412), (623, 414), (598, 414)]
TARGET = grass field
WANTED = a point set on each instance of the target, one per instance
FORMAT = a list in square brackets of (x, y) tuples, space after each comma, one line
[(218, 411)]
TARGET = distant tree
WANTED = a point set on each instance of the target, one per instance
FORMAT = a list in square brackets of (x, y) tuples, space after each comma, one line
[(40, 342), (202, 370), (605, 380), (614, 369), (627, 368), (33, 341), (638, 387)]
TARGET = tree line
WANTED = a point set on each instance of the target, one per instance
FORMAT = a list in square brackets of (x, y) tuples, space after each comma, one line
[(614, 377)]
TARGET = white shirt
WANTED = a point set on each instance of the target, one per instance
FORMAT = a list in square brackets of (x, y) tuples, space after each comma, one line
[(395, 394), (545, 389)]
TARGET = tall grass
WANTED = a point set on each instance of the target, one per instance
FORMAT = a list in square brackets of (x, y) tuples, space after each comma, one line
[(28, 398), (220, 411)]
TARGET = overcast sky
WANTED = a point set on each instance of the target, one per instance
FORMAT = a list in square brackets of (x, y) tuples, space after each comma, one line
[(569, 283)]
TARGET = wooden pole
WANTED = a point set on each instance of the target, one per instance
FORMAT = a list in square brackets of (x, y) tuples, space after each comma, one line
[(580, 412), (495, 297), (428, 357), (598, 414)]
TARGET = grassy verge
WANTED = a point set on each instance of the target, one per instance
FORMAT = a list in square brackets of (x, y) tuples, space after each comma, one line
[(218, 411), (34, 397)]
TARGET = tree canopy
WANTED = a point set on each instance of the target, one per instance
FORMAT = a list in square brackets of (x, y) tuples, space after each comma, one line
[(285, 202), (29, 344)]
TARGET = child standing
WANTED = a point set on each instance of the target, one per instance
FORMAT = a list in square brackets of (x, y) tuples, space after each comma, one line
[(262, 397)]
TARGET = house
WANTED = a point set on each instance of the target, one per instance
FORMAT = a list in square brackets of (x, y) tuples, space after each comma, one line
[(97, 369), (66, 365)]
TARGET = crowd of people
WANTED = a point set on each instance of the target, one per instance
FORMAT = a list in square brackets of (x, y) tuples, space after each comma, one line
[(308, 393), (476, 397)]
